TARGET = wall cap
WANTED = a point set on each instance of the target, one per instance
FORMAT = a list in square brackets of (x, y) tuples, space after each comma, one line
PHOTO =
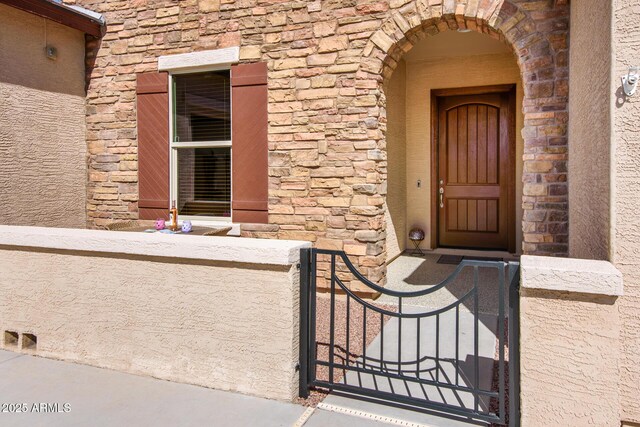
[(212, 248), (570, 275)]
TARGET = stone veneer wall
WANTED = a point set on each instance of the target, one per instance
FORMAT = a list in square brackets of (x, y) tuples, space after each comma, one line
[(328, 61)]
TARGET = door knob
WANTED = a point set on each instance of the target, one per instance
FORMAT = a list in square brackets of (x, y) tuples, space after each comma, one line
[(441, 196)]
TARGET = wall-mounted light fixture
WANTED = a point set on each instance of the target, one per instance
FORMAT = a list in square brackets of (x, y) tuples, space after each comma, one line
[(51, 52), (630, 81)]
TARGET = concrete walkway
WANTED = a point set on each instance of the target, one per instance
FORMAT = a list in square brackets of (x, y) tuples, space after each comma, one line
[(101, 397), (450, 373), (409, 273), (412, 273)]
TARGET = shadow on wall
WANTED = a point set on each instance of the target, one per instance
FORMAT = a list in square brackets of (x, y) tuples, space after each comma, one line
[(621, 97), (23, 41)]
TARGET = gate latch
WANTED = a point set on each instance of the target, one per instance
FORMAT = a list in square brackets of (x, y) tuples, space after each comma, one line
[(630, 81)]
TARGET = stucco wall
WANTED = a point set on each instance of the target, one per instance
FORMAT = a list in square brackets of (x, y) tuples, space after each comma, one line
[(396, 202), (589, 129), (569, 342), (231, 325), (42, 123), (626, 202), (438, 73)]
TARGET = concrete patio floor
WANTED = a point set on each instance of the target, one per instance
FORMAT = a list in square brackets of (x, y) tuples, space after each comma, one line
[(412, 273), (461, 374), (102, 397)]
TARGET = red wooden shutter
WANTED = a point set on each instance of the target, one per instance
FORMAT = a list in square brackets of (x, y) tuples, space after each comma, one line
[(153, 145), (250, 184)]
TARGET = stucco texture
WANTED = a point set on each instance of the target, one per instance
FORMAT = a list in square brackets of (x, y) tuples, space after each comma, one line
[(569, 352), (626, 203), (422, 76), (396, 203), (42, 122), (224, 325), (589, 129), (569, 342)]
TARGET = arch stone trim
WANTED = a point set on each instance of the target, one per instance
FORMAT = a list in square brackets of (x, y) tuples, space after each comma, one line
[(537, 33)]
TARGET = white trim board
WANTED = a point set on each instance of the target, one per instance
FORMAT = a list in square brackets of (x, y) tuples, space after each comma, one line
[(199, 61)]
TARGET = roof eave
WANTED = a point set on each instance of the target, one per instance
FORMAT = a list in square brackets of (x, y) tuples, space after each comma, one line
[(62, 14)]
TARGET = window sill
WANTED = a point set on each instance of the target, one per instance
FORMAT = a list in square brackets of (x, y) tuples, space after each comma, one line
[(235, 227)]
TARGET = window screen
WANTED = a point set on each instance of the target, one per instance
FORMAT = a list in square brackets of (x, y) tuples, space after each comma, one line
[(204, 181), (202, 107)]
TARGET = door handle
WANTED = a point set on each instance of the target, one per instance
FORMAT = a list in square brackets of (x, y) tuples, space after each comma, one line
[(441, 196)]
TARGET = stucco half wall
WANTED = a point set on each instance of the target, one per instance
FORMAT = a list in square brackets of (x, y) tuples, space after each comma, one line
[(570, 342), (43, 179), (219, 312)]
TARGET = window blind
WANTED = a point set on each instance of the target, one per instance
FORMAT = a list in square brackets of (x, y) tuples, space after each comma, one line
[(202, 107), (204, 181)]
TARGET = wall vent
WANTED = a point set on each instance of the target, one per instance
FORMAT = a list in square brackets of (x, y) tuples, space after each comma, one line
[(10, 339), (29, 342)]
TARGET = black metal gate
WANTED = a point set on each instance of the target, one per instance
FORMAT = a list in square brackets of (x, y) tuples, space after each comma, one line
[(434, 359)]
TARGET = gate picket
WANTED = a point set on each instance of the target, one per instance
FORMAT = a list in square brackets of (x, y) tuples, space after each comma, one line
[(436, 380)]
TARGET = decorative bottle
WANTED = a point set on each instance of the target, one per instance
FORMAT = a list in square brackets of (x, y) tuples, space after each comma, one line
[(174, 216)]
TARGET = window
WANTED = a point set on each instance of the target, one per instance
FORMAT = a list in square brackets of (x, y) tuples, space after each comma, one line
[(201, 144)]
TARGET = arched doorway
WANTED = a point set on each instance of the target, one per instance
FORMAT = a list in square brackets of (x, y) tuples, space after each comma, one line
[(541, 58), (454, 144)]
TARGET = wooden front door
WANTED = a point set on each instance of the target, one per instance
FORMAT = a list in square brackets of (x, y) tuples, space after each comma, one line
[(474, 191)]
